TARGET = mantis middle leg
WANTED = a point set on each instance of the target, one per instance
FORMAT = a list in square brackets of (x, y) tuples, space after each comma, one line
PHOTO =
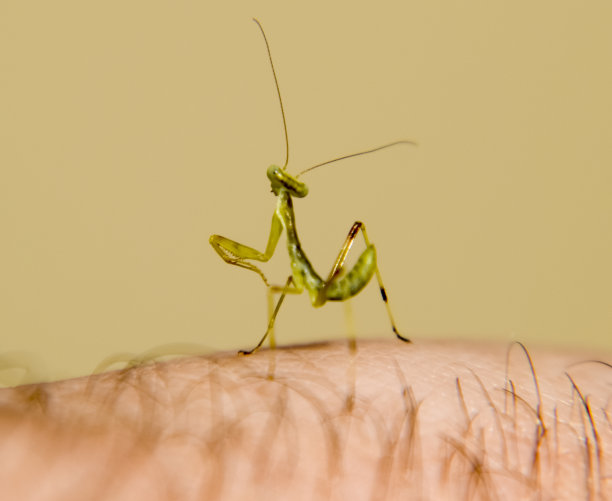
[(270, 330)]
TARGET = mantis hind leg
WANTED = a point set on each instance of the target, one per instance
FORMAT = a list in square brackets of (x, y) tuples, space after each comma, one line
[(340, 288)]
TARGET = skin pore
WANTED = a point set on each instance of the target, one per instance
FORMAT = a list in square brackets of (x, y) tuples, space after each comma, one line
[(428, 420)]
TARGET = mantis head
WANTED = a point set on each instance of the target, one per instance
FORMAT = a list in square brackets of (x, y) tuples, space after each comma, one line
[(280, 179)]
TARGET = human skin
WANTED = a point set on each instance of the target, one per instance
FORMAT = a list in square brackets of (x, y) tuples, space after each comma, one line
[(427, 420)]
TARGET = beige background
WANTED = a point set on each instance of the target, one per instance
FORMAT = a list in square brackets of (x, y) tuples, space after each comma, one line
[(131, 131)]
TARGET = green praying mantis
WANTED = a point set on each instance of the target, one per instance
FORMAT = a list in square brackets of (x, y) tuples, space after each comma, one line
[(340, 284)]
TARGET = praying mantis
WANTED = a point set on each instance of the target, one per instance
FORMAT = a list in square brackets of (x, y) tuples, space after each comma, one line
[(340, 284)]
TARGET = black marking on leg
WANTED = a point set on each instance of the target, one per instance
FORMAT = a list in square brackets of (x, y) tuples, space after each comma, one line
[(399, 336), (354, 231), (384, 295)]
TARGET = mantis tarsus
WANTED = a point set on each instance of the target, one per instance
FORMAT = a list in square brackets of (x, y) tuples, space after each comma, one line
[(339, 285)]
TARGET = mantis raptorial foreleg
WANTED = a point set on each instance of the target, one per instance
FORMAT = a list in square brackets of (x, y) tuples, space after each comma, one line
[(236, 253)]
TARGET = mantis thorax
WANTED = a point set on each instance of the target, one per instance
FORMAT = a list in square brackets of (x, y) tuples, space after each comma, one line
[(282, 180)]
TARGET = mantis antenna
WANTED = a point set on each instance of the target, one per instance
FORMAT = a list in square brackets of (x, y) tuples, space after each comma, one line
[(344, 157), (280, 99)]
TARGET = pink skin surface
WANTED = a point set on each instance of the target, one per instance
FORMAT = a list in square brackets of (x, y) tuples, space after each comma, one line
[(429, 420)]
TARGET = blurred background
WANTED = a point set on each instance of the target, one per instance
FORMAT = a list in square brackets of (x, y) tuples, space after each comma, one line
[(131, 131)]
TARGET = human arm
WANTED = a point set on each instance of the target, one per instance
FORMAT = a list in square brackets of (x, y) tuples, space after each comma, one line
[(428, 420)]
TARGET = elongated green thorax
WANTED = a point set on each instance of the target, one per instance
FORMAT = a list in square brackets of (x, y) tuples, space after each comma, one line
[(304, 275)]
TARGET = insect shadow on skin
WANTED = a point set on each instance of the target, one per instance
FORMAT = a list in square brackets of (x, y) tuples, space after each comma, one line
[(340, 284)]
